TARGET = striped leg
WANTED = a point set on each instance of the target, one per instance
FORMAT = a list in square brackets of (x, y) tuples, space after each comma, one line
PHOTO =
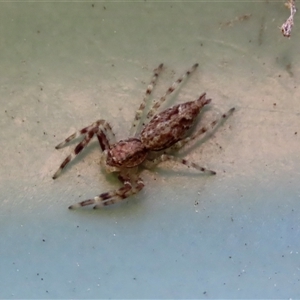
[(171, 89), (102, 138), (183, 161), (102, 124), (139, 112), (112, 197), (205, 129)]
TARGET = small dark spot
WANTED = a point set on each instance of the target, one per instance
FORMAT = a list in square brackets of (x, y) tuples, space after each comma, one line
[(78, 148), (231, 219), (134, 278), (274, 104), (41, 88), (201, 44), (77, 226), (112, 65), (229, 256), (104, 7), (105, 196), (93, 5), (38, 31), (296, 132), (65, 162), (279, 75), (204, 293), (42, 278), (44, 240), (250, 41)]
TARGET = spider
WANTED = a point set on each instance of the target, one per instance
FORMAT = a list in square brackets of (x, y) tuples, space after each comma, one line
[(161, 133)]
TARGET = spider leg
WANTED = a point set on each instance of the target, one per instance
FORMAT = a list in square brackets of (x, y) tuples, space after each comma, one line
[(102, 124), (139, 112), (165, 157), (104, 142), (112, 197), (89, 135), (172, 88), (205, 129)]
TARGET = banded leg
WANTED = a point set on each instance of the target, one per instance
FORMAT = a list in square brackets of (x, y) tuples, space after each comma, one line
[(139, 112), (102, 124), (170, 90), (112, 197), (165, 157), (103, 140), (205, 129)]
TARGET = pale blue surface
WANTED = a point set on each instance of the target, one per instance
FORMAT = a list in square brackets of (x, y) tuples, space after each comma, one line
[(235, 235)]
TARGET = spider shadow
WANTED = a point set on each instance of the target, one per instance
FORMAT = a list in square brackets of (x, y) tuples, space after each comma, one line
[(201, 140)]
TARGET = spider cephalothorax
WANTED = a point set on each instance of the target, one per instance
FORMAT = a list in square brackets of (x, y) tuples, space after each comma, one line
[(164, 131), (126, 153)]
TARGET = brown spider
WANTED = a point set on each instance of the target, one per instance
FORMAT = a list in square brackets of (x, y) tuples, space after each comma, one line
[(164, 132)]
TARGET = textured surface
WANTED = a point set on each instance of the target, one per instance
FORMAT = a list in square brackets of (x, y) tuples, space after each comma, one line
[(236, 234)]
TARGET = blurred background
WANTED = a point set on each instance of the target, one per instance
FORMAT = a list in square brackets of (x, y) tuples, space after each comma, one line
[(233, 235)]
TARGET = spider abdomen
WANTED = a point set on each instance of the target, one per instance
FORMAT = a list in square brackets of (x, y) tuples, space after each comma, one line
[(171, 125)]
